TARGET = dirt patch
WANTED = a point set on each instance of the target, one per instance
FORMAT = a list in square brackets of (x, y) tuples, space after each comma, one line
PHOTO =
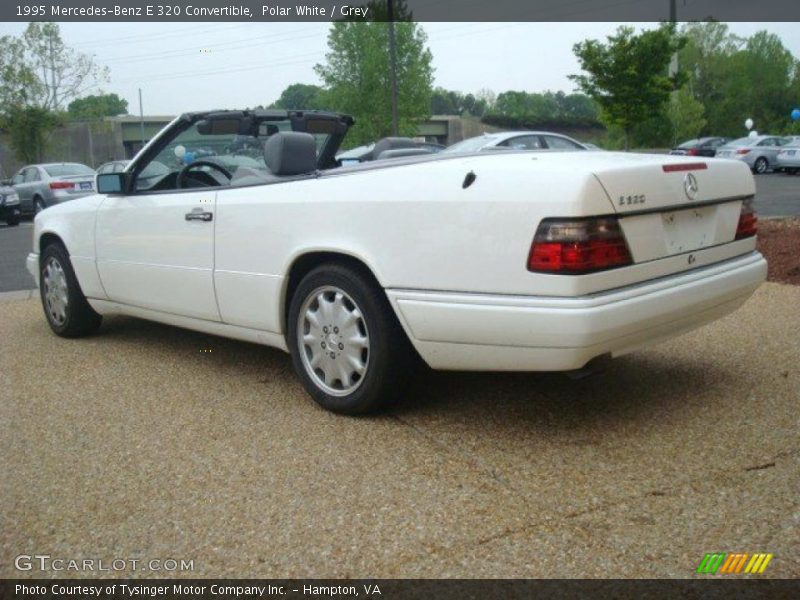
[(779, 241)]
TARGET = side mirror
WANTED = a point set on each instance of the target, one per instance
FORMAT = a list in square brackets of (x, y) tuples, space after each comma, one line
[(111, 183)]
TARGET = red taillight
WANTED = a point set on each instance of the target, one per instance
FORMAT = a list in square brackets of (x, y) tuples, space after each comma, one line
[(61, 185), (748, 222), (743, 151), (693, 152), (575, 246)]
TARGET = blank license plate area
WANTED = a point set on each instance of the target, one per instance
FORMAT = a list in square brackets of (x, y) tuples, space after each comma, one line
[(691, 229)]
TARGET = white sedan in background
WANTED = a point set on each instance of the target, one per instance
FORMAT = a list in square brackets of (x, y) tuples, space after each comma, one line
[(510, 261), (516, 140)]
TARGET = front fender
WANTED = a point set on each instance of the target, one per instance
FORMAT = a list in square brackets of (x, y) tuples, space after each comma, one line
[(73, 224)]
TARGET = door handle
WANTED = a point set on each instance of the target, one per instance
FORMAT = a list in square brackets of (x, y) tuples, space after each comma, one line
[(198, 214)]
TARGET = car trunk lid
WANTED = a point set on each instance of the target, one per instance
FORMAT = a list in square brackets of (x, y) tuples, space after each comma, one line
[(670, 205)]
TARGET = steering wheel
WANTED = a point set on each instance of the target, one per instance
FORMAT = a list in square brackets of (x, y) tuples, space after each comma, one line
[(180, 181)]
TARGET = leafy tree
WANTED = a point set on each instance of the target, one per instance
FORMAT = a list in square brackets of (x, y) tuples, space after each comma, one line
[(97, 106), (301, 96), (448, 102), (708, 62), (28, 128), (38, 75), (627, 76), (686, 115), (356, 75)]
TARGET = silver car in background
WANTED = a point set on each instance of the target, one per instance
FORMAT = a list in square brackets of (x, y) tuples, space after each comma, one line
[(516, 140), (760, 152), (40, 186), (789, 158)]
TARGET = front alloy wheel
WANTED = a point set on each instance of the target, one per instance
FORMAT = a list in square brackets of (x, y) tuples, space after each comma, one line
[(54, 291), (761, 165), (66, 308)]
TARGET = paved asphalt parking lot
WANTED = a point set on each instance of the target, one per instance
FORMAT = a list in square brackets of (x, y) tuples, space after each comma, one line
[(778, 195), (147, 441)]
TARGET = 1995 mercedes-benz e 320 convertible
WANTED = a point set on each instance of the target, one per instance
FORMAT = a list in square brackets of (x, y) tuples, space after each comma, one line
[(241, 224)]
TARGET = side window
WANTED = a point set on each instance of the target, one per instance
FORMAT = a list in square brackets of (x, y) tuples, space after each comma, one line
[(31, 174), (523, 142), (103, 169), (118, 168), (18, 178), (559, 143), (767, 142)]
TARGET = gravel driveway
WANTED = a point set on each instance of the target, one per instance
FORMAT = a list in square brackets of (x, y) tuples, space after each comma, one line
[(151, 442)]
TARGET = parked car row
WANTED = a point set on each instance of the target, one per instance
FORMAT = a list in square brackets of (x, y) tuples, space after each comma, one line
[(39, 186), (35, 187), (760, 152)]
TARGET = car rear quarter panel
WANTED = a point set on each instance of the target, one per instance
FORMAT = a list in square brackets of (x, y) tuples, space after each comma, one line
[(414, 226)]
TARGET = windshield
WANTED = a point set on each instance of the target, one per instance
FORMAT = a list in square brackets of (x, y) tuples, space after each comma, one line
[(471, 144), (68, 169)]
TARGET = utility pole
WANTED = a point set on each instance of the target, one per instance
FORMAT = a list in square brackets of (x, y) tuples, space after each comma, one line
[(141, 116), (673, 18), (393, 65)]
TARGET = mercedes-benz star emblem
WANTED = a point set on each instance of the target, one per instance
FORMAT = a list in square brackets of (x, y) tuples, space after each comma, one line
[(690, 186)]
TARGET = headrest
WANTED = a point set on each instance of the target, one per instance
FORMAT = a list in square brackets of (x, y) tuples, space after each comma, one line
[(291, 153), (391, 143)]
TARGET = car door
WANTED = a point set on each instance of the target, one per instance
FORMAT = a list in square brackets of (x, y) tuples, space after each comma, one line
[(31, 186), (156, 251), (768, 148), (155, 245)]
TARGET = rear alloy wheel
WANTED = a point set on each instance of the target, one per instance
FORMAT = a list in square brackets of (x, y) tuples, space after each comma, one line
[(38, 205), (761, 165), (67, 311), (347, 347)]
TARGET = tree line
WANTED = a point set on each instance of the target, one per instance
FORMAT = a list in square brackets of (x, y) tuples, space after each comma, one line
[(630, 88)]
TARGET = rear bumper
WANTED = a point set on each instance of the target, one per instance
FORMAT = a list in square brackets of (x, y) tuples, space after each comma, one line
[(528, 333)]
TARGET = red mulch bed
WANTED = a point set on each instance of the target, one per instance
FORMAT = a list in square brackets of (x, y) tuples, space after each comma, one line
[(779, 242)]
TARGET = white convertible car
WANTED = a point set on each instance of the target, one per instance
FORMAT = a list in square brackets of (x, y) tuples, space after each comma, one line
[(241, 224)]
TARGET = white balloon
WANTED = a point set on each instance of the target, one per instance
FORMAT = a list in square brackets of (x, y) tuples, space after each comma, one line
[(180, 151), (753, 134), (749, 123)]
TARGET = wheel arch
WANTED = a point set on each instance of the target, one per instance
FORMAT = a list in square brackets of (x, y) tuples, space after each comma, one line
[(304, 262), (47, 238)]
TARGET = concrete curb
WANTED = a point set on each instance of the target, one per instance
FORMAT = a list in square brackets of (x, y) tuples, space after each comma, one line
[(18, 295)]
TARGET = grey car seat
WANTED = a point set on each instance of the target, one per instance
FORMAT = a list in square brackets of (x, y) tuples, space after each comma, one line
[(287, 154)]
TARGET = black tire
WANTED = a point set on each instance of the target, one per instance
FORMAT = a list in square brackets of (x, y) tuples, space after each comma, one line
[(761, 165), (791, 171), (38, 205), (389, 355), (12, 221), (79, 319)]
